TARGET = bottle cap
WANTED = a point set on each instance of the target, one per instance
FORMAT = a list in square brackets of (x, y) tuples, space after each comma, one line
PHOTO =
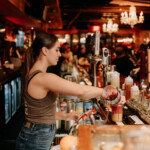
[(128, 80), (135, 87)]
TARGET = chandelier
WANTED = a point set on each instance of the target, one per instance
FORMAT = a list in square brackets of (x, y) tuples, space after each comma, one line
[(132, 19), (110, 27)]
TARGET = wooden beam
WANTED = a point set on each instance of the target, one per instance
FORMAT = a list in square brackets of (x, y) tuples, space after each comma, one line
[(70, 23), (109, 9), (52, 14), (131, 2)]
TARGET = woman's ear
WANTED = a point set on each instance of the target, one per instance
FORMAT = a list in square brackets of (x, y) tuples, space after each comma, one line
[(44, 51)]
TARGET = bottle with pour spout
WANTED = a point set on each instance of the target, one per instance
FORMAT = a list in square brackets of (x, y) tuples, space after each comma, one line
[(128, 85)]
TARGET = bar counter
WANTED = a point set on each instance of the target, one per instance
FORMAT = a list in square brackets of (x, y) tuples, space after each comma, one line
[(113, 137)]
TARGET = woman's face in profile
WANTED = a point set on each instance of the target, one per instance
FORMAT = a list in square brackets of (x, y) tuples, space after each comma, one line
[(54, 54)]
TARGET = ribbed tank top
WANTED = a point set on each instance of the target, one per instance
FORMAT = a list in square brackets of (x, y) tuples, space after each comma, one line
[(39, 111)]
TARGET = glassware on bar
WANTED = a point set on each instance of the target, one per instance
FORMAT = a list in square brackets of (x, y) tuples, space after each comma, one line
[(111, 94), (117, 113), (137, 139)]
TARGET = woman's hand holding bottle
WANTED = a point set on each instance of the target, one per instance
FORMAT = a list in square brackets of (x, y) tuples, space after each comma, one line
[(111, 94)]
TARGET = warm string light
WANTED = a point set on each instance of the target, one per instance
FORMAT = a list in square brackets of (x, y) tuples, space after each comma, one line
[(110, 27), (132, 19)]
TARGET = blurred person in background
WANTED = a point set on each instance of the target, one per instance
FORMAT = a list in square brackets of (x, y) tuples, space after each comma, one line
[(75, 48), (67, 53), (132, 57), (137, 71), (143, 47), (81, 52), (82, 56), (123, 64)]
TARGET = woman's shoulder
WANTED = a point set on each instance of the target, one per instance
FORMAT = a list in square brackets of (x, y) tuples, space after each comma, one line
[(44, 78), (48, 75)]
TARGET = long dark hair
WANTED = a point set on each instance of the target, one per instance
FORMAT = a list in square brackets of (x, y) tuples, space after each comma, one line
[(42, 40)]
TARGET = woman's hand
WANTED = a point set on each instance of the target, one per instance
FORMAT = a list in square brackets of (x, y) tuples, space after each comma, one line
[(72, 116), (110, 93), (67, 116), (134, 71), (122, 101)]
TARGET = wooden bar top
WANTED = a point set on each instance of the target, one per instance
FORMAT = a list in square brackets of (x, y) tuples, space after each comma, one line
[(85, 132)]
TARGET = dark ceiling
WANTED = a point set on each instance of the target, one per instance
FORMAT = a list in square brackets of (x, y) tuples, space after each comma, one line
[(83, 13), (66, 14)]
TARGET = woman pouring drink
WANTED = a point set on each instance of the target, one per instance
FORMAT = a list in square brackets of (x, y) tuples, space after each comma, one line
[(40, 92)]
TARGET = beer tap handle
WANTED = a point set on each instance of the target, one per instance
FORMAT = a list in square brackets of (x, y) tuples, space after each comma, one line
[(103, 112), (100, 110), (105, 56)]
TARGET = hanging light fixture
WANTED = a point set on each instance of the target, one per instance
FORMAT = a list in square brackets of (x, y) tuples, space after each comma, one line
[(132, 19), (110, 27)]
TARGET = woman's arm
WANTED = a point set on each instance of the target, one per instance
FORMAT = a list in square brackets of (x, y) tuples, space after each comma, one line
[(45, 82), (54, 83)]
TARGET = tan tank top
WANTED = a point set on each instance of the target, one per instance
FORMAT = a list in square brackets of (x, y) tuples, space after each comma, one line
[(39, 111)]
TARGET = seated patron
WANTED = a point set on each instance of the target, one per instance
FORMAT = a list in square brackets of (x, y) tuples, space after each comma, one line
[(81, 52)]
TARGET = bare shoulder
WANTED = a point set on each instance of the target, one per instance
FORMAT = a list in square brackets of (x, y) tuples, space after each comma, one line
[(45, 77), (44, 80), (49, 76), (37, 87)]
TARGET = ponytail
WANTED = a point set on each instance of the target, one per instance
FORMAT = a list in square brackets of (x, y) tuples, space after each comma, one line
[(42, 40), (28, 63)]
